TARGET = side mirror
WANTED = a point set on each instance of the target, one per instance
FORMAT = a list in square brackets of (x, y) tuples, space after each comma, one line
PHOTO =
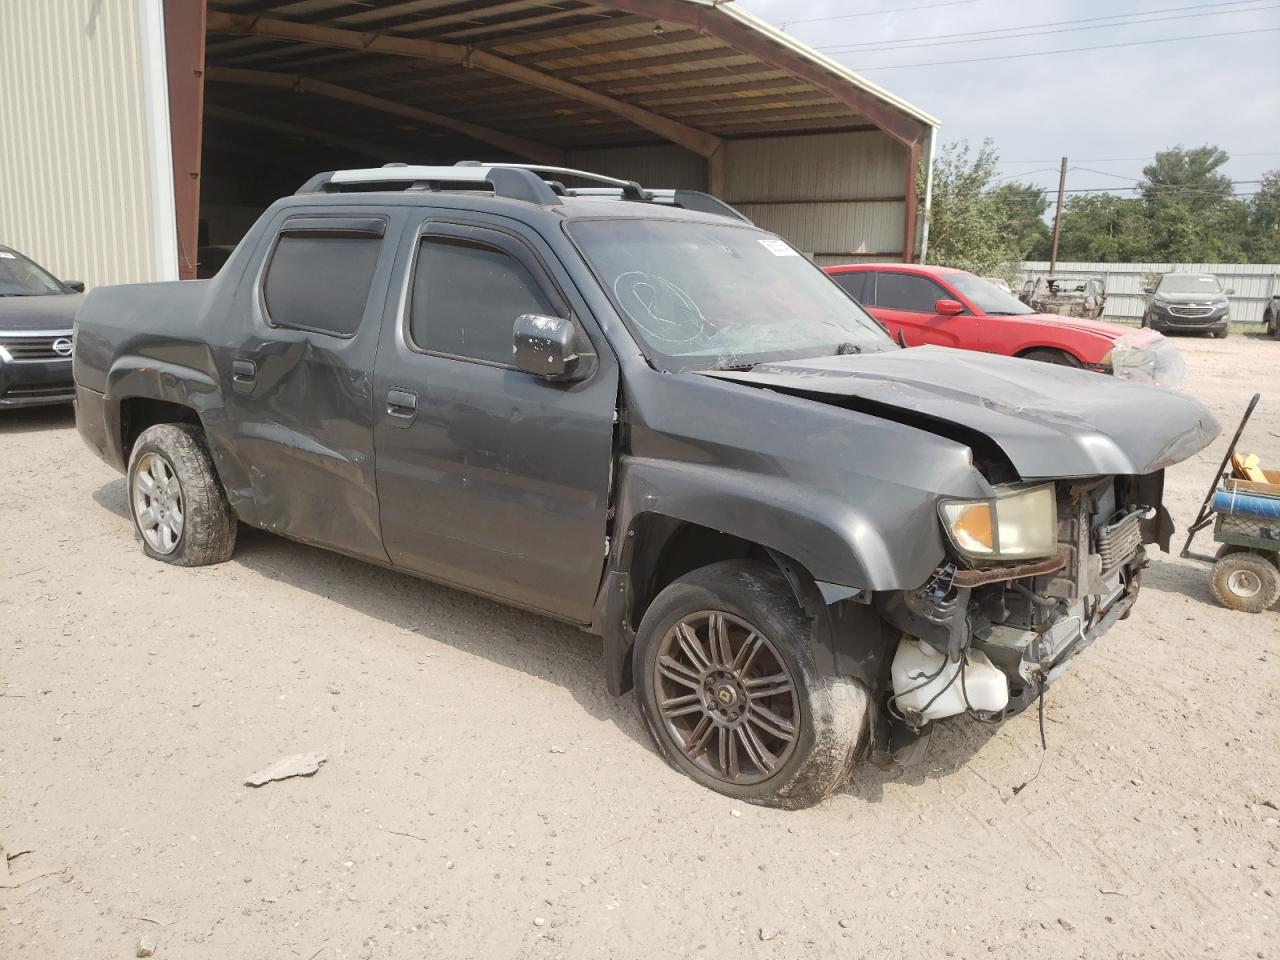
[(1230, 291), (76, 285), (547, 347), (948, 308), (1149, 289)]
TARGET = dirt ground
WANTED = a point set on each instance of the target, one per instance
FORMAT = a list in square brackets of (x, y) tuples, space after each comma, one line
[(484, 796)]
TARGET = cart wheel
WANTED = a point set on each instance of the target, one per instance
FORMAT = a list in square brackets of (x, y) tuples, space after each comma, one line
[(1245, 581), (1227, 549)]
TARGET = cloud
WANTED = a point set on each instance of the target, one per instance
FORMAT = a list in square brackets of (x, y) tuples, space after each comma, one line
[(1125, 102)]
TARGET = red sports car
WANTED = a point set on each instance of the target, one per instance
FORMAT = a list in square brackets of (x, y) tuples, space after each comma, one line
[(952, 308)]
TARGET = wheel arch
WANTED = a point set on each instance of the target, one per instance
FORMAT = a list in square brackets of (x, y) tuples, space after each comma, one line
[(1057, 347), (143, 391), (659, 549)]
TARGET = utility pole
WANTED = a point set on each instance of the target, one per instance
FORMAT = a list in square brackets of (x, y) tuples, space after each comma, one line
[(1057, 218)]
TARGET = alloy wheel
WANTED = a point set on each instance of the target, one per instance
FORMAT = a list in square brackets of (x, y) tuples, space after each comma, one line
[(158, 505), (726, 697)]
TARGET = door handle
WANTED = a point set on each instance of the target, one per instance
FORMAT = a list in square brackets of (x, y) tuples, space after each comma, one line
[(244, 371), (402, 403)]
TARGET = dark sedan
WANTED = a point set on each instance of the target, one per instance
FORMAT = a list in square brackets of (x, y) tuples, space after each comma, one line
[(37, 317)]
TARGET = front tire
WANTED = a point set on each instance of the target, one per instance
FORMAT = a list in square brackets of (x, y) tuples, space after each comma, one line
[(730, 692), (1221, 334), (180, 512)]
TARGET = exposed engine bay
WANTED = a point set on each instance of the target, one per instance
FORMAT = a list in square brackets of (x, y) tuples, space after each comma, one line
[(987, 639)]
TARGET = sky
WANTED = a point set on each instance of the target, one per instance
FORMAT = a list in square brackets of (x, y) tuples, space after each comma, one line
[(1102, 108)]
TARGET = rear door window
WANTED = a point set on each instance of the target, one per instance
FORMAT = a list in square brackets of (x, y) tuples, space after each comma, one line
[(466, 297), (905, 291), (320, 272), (857, 284)]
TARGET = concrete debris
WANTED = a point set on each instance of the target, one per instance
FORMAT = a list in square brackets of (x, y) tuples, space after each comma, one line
[(146, 945), (298, 765)]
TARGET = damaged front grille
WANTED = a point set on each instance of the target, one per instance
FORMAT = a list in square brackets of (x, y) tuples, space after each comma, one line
[(1119, 540)]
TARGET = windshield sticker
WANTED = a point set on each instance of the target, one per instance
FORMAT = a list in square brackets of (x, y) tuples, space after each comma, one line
[(777, 247)]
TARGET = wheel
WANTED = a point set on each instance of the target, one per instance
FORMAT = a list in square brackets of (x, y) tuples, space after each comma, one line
[(1060, 357), (729, 690), (1272, 321), (180, 513), (1220, 334), (1245, 581)]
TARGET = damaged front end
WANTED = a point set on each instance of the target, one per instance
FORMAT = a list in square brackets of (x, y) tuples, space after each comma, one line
[(1033, 577)]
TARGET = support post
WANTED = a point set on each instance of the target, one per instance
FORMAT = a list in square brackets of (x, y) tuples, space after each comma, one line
[(912, 202)]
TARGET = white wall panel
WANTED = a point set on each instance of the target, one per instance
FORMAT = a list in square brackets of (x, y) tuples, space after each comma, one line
[(74, 171)]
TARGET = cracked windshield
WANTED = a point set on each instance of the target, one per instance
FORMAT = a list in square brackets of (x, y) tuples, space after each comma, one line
[(699, 295)]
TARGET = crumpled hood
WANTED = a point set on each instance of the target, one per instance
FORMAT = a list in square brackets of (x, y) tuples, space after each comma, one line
[(1112, 331), (55, 312), (1050, 421)]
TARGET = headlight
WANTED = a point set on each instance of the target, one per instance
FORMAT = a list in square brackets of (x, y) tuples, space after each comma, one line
[(1020, 523), (1157, 361)]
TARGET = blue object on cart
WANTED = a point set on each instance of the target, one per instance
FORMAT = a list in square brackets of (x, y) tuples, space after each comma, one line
[(1243, 504)]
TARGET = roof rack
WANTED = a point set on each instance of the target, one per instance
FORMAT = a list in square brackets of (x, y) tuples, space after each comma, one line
[(514, 181), (685, 199)]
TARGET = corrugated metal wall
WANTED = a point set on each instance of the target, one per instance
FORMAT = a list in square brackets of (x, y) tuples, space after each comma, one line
[(1254, 284), (836, 196), (661, 165), (74, 187)]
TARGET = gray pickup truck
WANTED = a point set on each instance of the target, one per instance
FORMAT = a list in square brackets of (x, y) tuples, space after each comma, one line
[(635, 412)]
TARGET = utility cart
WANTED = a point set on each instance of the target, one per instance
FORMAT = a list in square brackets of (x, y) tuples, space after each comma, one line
[(1243, 504)]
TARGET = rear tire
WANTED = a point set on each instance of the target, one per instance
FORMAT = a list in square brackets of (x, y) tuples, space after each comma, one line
[(1248, 582), (1272, 321), (1060, 357), (180, 512), (708, 647)]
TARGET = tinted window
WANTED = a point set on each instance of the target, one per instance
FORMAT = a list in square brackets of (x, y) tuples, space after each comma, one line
[(466, 298), (855, 284), (902, 291), (320, 283)]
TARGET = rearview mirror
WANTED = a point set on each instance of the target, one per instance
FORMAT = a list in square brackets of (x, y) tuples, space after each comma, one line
[(948, 308), (76, 285), (547, 347)]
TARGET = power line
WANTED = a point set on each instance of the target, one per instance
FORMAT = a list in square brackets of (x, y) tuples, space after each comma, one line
[(874, 13), (1034, 30), (1050, 53), (1233, 154)]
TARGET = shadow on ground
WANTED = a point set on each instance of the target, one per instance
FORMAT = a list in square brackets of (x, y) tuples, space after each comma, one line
[(535, 645), (34, 419), (517, 640)]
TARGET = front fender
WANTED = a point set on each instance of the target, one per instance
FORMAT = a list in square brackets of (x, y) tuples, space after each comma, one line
[(889, 541)]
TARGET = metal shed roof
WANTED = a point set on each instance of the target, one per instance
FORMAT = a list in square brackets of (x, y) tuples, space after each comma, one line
[(533, 78)]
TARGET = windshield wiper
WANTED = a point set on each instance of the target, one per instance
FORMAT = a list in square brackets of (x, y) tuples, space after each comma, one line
[(732, 366)]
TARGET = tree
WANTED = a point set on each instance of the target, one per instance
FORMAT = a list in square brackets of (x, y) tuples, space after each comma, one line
[(1023, 206), (1187, 176), (968, 227), (1104, 228), (1264, 220)]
